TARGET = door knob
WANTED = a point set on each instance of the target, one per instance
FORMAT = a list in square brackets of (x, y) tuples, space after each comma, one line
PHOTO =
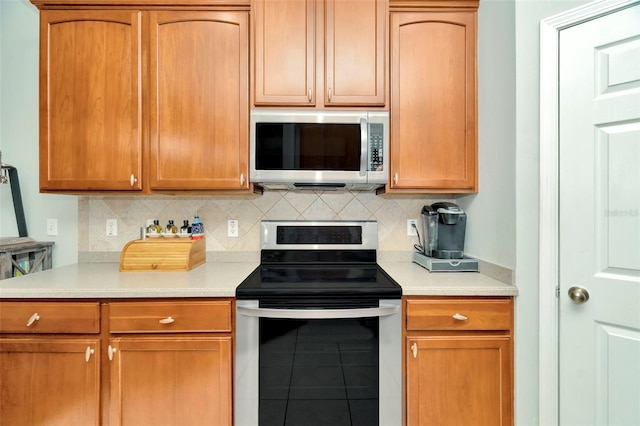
[(578, 295)]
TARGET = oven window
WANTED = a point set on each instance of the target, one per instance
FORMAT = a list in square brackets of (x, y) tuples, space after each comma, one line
[(307, 146), (319, 372)]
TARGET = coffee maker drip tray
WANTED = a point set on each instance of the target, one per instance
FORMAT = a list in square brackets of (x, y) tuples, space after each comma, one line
[(466, 264)]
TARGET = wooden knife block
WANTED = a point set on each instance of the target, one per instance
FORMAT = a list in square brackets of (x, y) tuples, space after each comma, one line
[(163, 254)]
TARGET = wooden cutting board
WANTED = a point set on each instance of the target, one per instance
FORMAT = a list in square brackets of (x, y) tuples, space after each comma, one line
[(163, 254)]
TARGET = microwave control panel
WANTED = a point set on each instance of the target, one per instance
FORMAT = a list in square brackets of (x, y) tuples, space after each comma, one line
[(376, 151)]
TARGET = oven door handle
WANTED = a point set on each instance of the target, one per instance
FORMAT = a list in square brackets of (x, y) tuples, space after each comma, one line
[(381, 311)]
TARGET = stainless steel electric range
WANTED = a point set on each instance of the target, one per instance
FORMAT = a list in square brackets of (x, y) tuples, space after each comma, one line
[(318, 329)]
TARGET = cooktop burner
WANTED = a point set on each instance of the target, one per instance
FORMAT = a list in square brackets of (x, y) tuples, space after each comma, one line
[(328, 260)]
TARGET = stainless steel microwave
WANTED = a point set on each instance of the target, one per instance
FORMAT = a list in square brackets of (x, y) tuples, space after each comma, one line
[(293, 149)]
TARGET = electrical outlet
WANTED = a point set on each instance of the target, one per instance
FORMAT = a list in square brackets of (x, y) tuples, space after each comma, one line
[(232, 228), (112, 227), (52, 227), (412, 229)]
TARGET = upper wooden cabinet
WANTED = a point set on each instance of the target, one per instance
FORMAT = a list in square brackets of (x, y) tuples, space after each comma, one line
[(319, 52), (90, 100), (433, 101), (144, 100), (199, 100)]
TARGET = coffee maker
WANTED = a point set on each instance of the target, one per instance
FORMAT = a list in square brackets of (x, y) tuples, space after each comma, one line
[(443, 226)]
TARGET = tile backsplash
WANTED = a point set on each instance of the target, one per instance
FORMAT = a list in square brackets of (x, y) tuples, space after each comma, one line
[(214, 211)]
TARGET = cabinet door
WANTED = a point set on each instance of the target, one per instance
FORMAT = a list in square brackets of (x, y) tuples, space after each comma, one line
[(49, 381), (199, 106), (355, 52), (90, 101), (284, 32), (433, 101), (459, 380), (170, 381)]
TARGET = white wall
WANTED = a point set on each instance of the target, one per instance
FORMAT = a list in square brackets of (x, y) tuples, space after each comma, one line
[(19, 135), (491, 217)]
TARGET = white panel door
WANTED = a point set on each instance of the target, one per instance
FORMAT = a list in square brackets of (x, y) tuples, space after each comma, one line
[(599, 154)]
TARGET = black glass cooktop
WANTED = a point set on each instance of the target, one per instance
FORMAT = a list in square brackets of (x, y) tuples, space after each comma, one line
[(318, 280)]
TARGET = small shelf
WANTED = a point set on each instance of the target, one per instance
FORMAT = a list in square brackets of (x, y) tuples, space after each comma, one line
[(25, 258)]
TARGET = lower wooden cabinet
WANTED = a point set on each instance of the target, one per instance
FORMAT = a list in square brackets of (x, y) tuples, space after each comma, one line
[(49, 363), (170, 381), (459, 361), (164, 370), (116, 363), (49, 381), (149, 363)]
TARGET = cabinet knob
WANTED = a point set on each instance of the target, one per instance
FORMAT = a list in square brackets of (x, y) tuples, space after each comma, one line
[(330, 93), (167, 320), (33, 318), (395, 179), (459, 317), (132, 179), (110, 352), (88, 353), (241, 179), (414, 349), (309, 95)]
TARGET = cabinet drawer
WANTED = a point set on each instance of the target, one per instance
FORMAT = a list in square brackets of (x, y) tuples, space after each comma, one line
[(170, 317), (51, 317), (459, 314)]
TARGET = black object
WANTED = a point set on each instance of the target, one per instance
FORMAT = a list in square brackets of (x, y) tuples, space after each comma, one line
[(444, 226), (17, 199), (326, 261)]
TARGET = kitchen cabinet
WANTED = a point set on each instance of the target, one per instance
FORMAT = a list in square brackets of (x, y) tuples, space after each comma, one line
[(166, 366), (49, 363), (144, 100), (116, 362), (459, 361), (320, 53), (433, 108), (199, 97), (90, 100)]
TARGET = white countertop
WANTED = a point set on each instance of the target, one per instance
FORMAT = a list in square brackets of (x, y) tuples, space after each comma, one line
[(104, 280), (417, 281)]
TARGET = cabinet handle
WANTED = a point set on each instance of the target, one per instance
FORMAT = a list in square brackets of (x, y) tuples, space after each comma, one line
[(132, 179), (167, 320), (241, 179), (330, 93), (110, 352), (414, 349), (395, 179), (88, 353), (459, 317), (309, 95), (33, 318)]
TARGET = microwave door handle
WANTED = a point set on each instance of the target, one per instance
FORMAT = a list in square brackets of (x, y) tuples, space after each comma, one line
[(364, 146), (381, 311)]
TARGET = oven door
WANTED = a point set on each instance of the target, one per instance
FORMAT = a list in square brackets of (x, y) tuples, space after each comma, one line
[(318, 366)]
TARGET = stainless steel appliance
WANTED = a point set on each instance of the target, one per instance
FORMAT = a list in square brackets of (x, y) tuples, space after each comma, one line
[(318, 329), (443, 226), (293, 149)]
